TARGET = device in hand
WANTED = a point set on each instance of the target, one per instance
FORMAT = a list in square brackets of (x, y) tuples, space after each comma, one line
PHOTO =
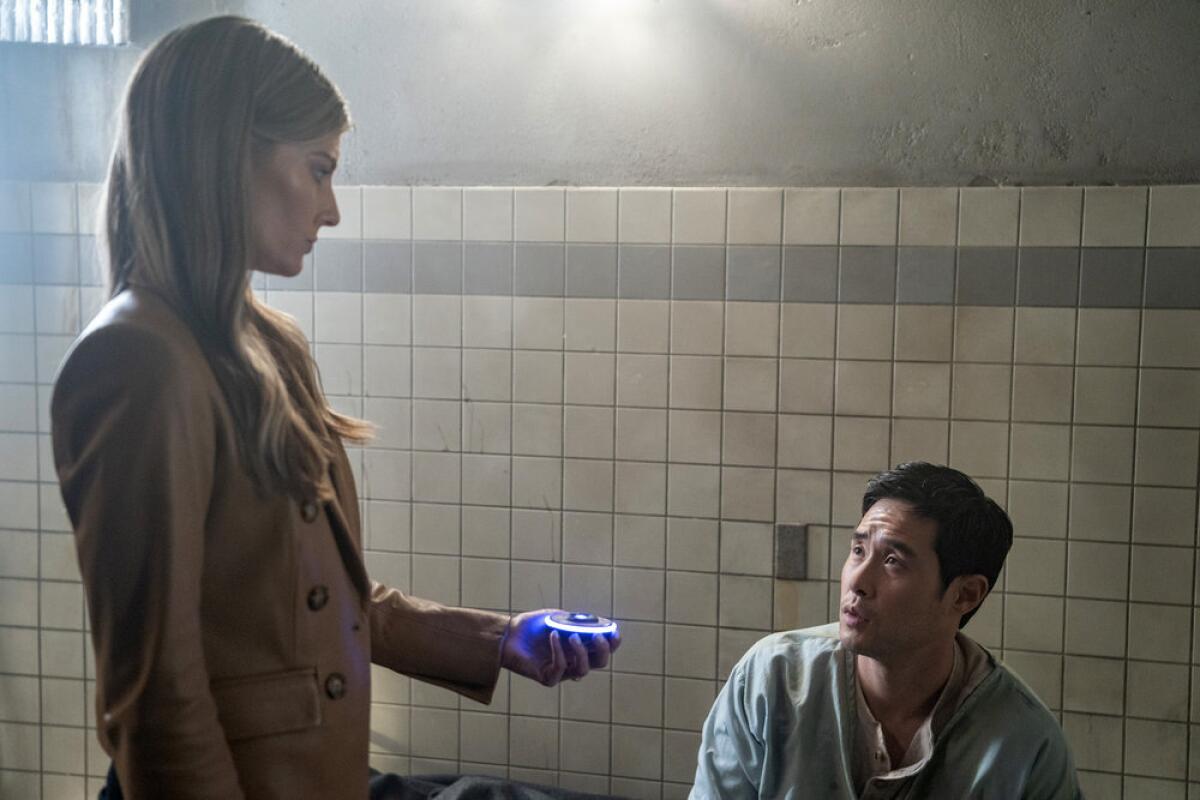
[(583, 623)]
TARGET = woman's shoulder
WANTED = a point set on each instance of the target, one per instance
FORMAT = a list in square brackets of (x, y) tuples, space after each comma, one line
[(135, 339)]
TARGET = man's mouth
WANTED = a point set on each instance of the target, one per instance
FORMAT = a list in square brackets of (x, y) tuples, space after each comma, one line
[(853, 616)]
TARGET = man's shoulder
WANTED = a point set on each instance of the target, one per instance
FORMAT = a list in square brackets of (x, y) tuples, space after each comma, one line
[(789, 649)]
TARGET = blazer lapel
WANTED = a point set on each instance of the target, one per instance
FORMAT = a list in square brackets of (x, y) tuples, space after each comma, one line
[(346, 533)]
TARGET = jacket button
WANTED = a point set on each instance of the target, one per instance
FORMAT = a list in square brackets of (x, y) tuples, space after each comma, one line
[(318, 596), (308, 511), (335, 686)]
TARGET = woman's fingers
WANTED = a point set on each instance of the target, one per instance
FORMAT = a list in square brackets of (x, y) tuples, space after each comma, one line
[(599, 652), (578, 659)]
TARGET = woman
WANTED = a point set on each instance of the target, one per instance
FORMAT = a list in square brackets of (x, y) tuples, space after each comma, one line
[(202, 467)]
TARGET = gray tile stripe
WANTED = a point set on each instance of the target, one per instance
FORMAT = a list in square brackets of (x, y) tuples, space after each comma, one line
[(1090, 277)]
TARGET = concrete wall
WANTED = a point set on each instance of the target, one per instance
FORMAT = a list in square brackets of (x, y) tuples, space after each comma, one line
[(692, 92)]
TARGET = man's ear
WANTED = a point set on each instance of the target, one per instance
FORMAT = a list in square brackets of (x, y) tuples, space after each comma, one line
[(967, 592)]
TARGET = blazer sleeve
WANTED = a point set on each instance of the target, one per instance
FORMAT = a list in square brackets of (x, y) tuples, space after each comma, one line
[(455, 648), (134, 440)]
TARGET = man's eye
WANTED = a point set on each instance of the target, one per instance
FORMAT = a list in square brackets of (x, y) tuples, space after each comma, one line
[(891, 560), (857, 549)]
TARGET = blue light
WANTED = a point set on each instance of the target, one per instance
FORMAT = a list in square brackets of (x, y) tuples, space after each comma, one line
[(601, 625)]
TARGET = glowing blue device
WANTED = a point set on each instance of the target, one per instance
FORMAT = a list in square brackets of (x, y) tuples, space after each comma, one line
[(580, 622)]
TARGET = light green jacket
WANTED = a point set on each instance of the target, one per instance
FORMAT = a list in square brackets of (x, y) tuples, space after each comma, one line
[(783, 727)]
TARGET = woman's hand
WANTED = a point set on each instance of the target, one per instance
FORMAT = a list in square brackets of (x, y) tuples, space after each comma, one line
[(533, 649)]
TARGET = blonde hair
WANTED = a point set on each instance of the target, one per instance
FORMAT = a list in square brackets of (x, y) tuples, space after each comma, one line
[(204, 103)]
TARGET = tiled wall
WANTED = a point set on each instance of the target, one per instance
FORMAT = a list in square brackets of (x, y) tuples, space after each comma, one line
[(606, 399)]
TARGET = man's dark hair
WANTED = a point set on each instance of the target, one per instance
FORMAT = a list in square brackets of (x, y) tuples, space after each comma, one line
[(973, 532)]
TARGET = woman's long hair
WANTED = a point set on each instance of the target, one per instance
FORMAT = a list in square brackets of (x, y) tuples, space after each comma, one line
[(204, 103)]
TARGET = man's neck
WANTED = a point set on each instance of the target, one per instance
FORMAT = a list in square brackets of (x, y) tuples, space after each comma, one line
[(901, 695)]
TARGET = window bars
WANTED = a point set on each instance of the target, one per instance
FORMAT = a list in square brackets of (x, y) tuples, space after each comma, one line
[(74, 22)]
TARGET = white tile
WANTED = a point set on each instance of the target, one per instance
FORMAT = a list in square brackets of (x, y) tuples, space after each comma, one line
[(487, 214), (1045, 335), (751, 384), (869, 216), (1102, 453), (538, 323), (642, 380), (1108, 336), (1098, 570), (17, 309), (1160, 574), (1164, 516), (536, 484), (587, 538), (1041, 672), (755, 216), (807, 385), (805, 441), (924, 333), (487, 321), (61, 605), (807, 330), (745, 602), (641, 434), (638, 594), (981, 391), (1174, 216), (339, 317), (983, 333), (1159, 632), (52, 207), (1095, 685), (1033, 623), (696, 382), (57, 309), (980, 448), (699, 216), (20, 462), (987, 217), (89, 197), (349, 203), (584, 747), (1157, 691), (62, 654), (921, 390), (538, 214), (15, 212), (591, 215), (1051, 216), (487, 375), (863, 388), (1169, 397), (643, 326), (18, 506), (637, 699), (1114, 216), (1168, 338), (434, 733), (387, 212), (636, 752), (387, 475), (1166, 457), (811, 216), (697, 327), (692, 544), (644, 216), (920, 440), (1155, 749), (590, 378), (537, 377), (1036, 566), (437, 213), (640, 487), (1040, 452), (588, 587), (694, 490), (864, 331), (928, 217), (436, 320), (746, 548), (388, 369), (751, 329), (589, 325)]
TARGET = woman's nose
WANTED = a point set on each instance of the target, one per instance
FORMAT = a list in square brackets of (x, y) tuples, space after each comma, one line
[(331, 216)]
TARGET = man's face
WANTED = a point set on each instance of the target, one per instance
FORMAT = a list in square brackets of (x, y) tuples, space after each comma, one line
[(892, 599)]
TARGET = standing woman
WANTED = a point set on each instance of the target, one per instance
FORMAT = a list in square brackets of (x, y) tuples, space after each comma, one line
[(213, 505)]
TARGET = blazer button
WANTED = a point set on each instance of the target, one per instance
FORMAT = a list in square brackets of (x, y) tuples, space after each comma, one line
[(318, 596), (308, 511), (335, 686)]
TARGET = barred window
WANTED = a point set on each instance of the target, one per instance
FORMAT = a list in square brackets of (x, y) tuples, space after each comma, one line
[(72, 22)]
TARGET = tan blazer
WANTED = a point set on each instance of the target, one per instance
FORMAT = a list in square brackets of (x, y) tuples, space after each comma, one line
[(233, 632)]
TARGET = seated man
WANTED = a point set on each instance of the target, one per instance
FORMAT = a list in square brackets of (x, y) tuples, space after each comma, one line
[(892, 700)]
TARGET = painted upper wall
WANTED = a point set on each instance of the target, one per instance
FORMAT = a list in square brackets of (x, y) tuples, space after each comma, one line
[(690, 92)]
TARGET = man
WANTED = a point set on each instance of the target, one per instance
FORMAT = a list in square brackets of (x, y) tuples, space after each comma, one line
[(892, 700)]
